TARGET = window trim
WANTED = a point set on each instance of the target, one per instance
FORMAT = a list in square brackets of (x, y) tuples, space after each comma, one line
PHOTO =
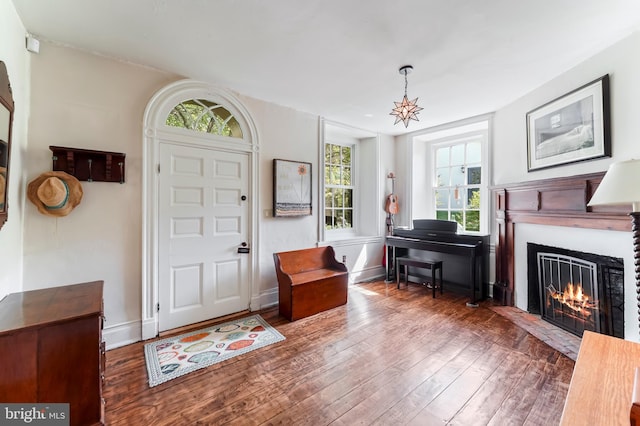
[(353, 187), (458, 139), (364, 143), (355, 203), (418, 163)]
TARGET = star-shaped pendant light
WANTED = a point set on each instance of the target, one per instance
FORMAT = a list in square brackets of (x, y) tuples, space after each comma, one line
[(406, 110)]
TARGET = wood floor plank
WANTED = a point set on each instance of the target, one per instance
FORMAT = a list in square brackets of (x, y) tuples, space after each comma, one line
[(517, 404), (377, 370), (484, 403), (548, 406), (389, 356), (464, 386), (403, 385), (413, 404)]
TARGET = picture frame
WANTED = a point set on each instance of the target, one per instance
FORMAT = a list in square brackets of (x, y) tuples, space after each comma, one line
[(292, 189), (574, 127)]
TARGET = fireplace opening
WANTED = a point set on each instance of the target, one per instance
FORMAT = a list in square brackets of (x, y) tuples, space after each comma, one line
[(576, 291)]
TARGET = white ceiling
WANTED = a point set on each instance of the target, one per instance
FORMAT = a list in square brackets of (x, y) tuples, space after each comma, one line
[(340, 58)]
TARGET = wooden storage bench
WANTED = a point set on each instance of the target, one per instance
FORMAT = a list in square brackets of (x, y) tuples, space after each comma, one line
[(310, 281)]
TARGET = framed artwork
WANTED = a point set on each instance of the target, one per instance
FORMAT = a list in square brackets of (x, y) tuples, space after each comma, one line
[(291, 188), (574, 127)]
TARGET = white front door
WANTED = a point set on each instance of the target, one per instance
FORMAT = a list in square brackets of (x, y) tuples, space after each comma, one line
[(203, 221)]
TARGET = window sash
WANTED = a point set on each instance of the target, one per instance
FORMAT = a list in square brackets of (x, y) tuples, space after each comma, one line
[(451, 182), (339, 208)]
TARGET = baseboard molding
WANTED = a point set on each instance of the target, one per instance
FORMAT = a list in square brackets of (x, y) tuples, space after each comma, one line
[(122, 334), (268, 299), (135, 331), (366, 274), (149, 328)]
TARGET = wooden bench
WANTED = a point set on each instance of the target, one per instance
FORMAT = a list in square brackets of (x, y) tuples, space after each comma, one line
[(310, 281), (434, 265)]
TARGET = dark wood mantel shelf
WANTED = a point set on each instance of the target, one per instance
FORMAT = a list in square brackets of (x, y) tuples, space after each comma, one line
[(556, 202)]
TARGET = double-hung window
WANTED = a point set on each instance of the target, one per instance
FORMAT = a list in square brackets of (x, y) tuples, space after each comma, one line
[(458, 182), (338, 186)]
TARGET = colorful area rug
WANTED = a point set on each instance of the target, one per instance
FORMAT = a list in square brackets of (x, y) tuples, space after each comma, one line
[(173, 357)]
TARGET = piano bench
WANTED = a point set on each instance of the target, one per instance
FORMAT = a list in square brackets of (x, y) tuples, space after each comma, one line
[(434, 265)]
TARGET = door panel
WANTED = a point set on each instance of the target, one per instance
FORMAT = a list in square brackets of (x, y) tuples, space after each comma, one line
[(228, 272), (186, 286), (202, 222)]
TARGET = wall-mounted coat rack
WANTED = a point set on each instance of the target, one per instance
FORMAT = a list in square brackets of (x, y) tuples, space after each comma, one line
[(89, 165)]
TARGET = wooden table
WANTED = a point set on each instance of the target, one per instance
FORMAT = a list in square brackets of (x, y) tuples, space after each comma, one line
[(602, 382)]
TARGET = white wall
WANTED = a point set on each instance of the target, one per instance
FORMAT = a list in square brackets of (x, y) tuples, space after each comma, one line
[(286, 134), (421, 195), (622, 63), (86, 101), (16, 59), (404, 160), (509, 155)]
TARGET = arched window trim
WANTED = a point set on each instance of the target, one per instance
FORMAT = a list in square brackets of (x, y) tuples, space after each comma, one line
[(183, 90)]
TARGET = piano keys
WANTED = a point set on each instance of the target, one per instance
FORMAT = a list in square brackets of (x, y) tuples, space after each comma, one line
[(465, 256)]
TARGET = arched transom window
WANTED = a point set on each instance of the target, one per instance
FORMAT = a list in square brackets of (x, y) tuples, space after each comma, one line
[(205, 116)]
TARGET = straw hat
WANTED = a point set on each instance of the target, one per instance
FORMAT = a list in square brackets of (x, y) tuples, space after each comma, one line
[(55, 193)]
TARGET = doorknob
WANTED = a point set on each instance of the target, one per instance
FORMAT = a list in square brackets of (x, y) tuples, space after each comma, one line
[(243, 248), (243, 198)]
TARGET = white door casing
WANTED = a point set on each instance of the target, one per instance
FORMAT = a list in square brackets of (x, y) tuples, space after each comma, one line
[(203, 216), (155, 135)]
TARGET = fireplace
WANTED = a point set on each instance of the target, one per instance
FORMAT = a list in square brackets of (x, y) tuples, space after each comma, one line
[(576, 291)]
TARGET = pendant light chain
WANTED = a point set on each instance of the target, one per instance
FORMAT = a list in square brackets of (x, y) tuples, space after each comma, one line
[(405, 83)]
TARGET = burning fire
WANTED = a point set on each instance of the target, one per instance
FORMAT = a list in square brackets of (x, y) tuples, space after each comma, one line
[(574, 298)]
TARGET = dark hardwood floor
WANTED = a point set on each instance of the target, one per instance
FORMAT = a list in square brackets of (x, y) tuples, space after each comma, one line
[(388, 357)]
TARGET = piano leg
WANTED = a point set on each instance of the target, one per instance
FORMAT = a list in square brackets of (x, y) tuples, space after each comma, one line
[(472, 276), (389, 258)]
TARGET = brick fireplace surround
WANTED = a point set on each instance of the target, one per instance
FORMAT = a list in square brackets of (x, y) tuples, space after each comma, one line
[(555, 202)]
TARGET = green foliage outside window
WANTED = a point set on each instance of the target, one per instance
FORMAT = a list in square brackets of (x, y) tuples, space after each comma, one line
[(473, 221), (458, 176), (204, 116), (338, 190)]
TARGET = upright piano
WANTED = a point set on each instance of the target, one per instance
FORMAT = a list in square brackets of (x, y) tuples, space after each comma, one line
[(465, 257)]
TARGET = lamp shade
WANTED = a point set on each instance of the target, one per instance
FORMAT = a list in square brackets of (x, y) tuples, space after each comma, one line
[(619, 186)]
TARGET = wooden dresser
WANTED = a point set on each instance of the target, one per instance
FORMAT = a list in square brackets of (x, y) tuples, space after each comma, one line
[(51, 349)]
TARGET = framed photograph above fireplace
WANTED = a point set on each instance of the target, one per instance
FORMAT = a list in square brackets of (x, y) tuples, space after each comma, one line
[(574, 127)]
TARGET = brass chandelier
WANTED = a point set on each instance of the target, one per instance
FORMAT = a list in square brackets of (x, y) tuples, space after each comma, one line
[(406, 110)]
